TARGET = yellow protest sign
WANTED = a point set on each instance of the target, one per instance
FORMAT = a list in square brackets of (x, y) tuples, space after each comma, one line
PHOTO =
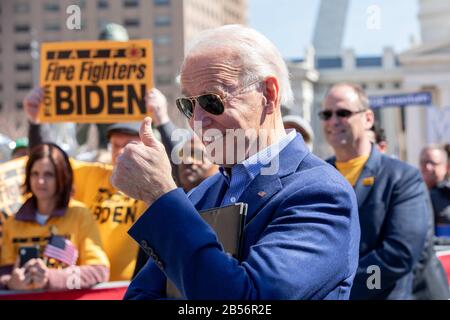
[(12, 177), (95, 81)]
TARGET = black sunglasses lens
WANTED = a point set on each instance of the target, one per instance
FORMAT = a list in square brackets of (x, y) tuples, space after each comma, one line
[(211, 103), (185, 106), (342, 113), (325, 115)]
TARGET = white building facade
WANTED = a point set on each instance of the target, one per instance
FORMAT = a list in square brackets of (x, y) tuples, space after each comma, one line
[(423, 68)]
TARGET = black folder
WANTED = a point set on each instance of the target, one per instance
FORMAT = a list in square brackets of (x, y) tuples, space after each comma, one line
[(228, 224)]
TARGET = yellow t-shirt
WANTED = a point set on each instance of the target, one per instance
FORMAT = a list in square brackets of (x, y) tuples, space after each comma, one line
[(114, 213), (352, 169), (77, 225)]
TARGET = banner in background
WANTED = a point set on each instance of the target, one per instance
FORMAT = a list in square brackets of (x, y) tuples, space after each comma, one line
[(12, 177), (95, 81)]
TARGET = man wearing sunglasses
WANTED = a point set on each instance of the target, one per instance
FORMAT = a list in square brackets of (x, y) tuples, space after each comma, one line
[(393, 207), (301, 233)]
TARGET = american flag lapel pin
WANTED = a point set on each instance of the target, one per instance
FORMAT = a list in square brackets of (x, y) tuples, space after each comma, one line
[(261, 194)]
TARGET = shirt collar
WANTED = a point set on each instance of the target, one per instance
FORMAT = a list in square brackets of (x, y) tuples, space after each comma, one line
[(251, 166), (28, 211)]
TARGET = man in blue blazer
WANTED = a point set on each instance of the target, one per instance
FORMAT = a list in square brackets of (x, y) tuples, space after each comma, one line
[(392, 200), (301, 234)]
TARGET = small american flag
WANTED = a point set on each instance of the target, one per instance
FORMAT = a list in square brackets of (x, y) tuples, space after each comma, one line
[(62, 250)]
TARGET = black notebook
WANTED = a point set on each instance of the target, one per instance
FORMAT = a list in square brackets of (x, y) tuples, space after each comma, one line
[(228, 223)]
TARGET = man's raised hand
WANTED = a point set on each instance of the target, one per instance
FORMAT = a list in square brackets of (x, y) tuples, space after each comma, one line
[(143, 170)]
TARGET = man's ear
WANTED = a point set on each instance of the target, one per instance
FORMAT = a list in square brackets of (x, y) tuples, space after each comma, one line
[(370, 119), (272, 94)]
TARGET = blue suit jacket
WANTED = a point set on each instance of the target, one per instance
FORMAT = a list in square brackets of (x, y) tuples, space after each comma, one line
[(300, 239), (393, 214)]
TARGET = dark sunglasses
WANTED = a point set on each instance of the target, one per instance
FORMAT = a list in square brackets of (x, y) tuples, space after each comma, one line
[(210, 102), (341, 113)]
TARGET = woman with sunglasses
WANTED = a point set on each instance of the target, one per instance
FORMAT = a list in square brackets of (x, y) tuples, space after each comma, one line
[(68, 253)]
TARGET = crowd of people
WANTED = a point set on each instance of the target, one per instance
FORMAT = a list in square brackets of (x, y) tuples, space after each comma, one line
[(360, 225)]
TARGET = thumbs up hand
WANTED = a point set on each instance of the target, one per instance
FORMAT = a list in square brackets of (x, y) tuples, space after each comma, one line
[(146, 134), (143, 170)]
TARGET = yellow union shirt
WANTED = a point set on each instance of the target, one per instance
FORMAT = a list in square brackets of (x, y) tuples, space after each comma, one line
[(114, 213), (76, 224), (352, 169)]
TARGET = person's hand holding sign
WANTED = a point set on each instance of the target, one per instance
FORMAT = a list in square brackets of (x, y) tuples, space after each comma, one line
[(156, 104), (143, 170), (31, 104)]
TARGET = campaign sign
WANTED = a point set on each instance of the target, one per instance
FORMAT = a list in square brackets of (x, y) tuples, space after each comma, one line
[(95, 81)]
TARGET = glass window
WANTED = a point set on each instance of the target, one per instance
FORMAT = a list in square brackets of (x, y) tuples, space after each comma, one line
[(51, 7), (23, 86), (161, 2), (369, 62), (22, 47), (23, 67), (163, 61), (22, 7), (162, 40), (22, 28), (163, 21), (329, 63), (131, 22), (102, 4), (130, 3), (163, 80), (52, 26), (82, 4)]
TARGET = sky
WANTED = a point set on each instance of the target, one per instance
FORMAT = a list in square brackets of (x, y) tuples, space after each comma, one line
[(290, 24)]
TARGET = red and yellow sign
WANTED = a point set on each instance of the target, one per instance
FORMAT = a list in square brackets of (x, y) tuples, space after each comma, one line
[(12, 177), (96, 81)]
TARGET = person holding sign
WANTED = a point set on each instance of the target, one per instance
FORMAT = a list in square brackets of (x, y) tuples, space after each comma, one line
[(52, 242), (301, 236), (113, 211)]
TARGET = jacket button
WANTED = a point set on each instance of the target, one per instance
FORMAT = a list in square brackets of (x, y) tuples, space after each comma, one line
[(144, 244)]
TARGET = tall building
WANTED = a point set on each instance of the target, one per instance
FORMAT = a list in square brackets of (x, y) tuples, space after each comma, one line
[(169, 23), (330, 27), (434, 17), (425, 67)]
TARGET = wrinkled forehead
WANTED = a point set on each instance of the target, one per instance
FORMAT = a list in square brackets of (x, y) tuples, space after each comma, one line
[(210, 69)]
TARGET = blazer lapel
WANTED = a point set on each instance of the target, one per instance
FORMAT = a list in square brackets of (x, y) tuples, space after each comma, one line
[(208, 194), (367, 179), (263, 187), (362, 190)]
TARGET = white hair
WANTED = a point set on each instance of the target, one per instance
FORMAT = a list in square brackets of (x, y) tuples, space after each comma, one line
[(258, 55)]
